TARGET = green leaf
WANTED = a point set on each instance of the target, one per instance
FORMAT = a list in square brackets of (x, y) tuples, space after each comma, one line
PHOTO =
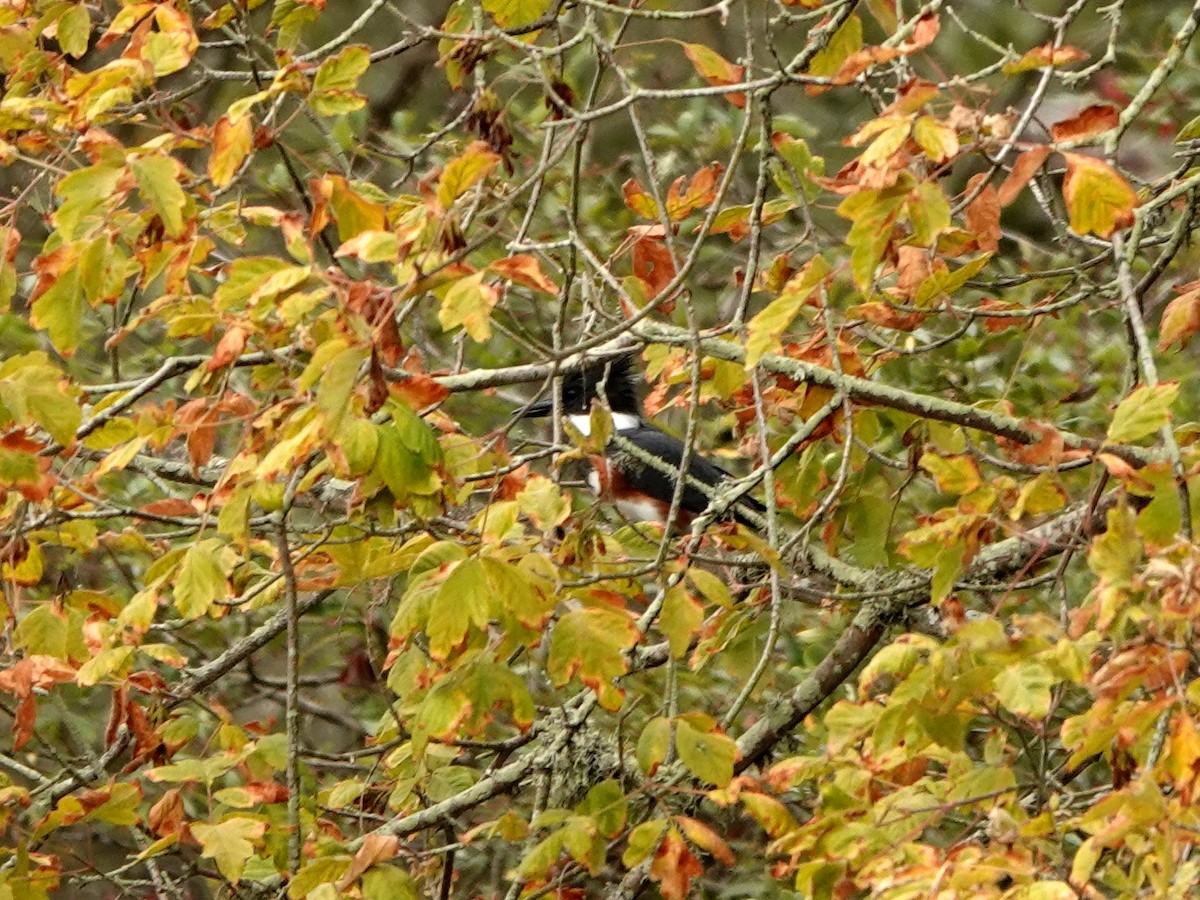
[(929, 212), (121, 807), (544, 502), (605, 804), (1099, 198), (464, 599), (388, 883), (74, 29), (359, 443), (643, 841), (708, 755), (229, 843), (846, 40), (158, 184), (336, 386), (43, 632), (325, 870), (60, 310), (654, 744), (956, 475), (113, 661), (1144, 412), (1190, 131), (592, 643), (34, 391), (83, 195), (334, 87), (767, 327), (402, 470), (257, 279), (874, 215)]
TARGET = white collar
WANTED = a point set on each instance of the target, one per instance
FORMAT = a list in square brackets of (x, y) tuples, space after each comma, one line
[(621, 422)]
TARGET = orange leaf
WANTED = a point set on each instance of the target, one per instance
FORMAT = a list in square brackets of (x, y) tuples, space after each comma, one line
[(169, 506), (717, 70), (706, 839), (1023, 169), (525, 269), (420, 391), (700, 192), (26, 717), (1099, 199), (652, 262), (923, 33), (228, 349), (1043, 57), (1181, 319), (1095, 119), (638, 200), (674, 867), (983, 217), (376, 848), (199, 423), (166, 816)]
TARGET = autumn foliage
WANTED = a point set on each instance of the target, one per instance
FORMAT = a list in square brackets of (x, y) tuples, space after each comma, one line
[(295, 604)]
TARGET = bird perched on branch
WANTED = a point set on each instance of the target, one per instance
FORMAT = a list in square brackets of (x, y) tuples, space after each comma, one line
[(641, 464)]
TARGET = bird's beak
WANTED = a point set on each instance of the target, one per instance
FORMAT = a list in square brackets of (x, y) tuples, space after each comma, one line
[(539, 410)]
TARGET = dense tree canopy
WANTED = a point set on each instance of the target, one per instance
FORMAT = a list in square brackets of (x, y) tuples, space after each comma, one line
[(296, 604)]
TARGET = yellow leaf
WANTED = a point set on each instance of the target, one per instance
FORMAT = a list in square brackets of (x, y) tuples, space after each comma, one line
[(469, 303), (229, 843), (940, 142), (464, 171), (767, 327), (231, 143), (1099, 199)]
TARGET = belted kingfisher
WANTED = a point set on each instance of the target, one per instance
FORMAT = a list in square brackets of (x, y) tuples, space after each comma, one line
[(641, 491)]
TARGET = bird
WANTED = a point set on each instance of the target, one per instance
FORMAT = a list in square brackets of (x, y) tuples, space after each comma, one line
[(640, 490)]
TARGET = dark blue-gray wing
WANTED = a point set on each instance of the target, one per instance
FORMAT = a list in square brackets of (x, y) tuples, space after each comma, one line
[(655, 483)]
